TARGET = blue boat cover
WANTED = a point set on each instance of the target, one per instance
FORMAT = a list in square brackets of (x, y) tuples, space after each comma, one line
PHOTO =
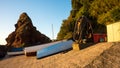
[(16, 49), (55, 48)]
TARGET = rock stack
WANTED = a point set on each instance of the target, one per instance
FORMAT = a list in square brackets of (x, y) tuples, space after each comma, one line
[(25, 34)]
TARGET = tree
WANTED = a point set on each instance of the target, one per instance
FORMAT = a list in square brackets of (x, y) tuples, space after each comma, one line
[(100, 13)]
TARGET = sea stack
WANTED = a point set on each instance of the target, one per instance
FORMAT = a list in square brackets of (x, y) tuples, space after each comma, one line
[(25, 34)]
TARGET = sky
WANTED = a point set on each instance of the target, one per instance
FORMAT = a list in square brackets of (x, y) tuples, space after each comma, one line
[(43, 13)]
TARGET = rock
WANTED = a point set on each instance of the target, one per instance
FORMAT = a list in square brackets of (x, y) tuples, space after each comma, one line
[(108, 59), (25, 34), (3, 51)]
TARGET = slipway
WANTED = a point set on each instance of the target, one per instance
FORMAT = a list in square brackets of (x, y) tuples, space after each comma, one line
[(31, 51), (59, 47)]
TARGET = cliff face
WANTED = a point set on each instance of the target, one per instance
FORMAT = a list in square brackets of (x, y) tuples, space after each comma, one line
[(25, 34)]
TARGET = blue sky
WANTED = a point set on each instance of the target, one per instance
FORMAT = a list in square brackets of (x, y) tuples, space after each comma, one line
[(43, 13)]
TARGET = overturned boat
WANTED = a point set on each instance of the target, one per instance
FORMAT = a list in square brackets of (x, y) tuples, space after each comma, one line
[(55, 48), (31, 51), (15, 53)]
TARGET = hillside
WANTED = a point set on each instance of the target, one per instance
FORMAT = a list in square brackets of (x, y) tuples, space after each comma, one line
[(71, 59), (99, 12)]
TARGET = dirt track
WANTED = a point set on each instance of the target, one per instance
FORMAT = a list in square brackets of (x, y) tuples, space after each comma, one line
[(71, 59)]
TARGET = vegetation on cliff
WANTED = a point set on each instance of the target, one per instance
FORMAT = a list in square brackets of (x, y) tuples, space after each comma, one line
[(100, 12)]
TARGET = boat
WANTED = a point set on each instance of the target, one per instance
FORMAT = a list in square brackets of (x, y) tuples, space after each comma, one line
[(31, 51), (13, 49), (15, 53), (56, 48)]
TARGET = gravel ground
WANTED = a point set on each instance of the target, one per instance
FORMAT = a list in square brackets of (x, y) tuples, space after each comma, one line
[(71, 59)]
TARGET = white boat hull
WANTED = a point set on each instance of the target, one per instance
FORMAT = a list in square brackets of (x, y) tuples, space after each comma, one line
[(31, 51), (64, 45)]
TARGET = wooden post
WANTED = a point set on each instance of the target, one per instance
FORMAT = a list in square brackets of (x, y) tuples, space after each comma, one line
[(76, 46)]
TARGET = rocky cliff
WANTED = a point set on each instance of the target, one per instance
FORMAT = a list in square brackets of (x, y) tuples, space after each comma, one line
[(3, 51), (25, 34)]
